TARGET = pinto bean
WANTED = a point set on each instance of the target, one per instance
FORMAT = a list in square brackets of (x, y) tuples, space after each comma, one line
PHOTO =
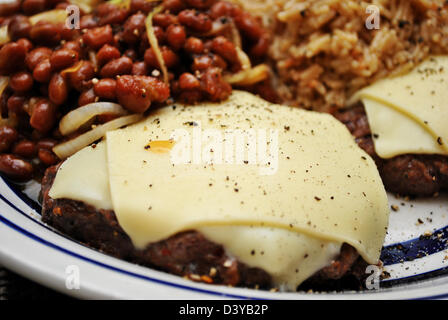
[(79, 79), (164, 20), (12, 56), (42, 72), (21, 82), (194, 45), (176, 36), (196, 21), (106, 88), (19, 27), (46, 33), (46, 143), (47, 157), (168, 55), (142, 6), (58, 89), (8, 135), (37, 55), (187, 81), (31, 7), (174, 6), (111, 14), (221, 9), (86, 97), (139, 68), (15, 104), (134, 28), (9, 8), (88, 21), (63, 58), (25, 149), (200, 4), (117, 67), (137, 92), (226, 49), (107, 53), (43, 116), (15, 168), (97, 37)]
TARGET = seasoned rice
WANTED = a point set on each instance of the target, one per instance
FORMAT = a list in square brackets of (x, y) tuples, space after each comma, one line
[(323, 52)]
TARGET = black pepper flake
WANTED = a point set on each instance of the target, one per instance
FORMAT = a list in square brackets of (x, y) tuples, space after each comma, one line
[(317, 198), (147, 147), (235, 189), (252, 252), (439, 141)]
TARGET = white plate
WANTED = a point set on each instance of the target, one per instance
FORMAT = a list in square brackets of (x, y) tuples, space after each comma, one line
[(37, 251)]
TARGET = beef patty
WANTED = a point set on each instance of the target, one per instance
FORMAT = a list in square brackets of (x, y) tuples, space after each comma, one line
[(409, 174), (188, 254)]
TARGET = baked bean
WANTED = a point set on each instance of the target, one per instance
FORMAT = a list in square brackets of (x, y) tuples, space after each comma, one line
[(204, 62), (26, 44), (97, 37), (8, 135), (261, 46), (73, 45), (187, 81), (25, 149), (168, 55), (12, 56), (134, 28), (37, 55), (19, 27), (173, 6), (88, 21), (214, 85), (87, 97), (15, 168), (164, 20), (221, 9), (58, 89), (47, 157), (249, 25), (46, 33), (142, 5), (9, 8), (194, 45), (176, 36), (111, 14), (15, 104), (42, 72), (79, 79), (69, 34), (137, 92), (200, 4), (196, 21), (63, 58), (46, 144), (21, 82), (31, 7), (107, 53), (226, 49), (116, 67), (139, 68), (131, 54), (43, 115), (105, 88)]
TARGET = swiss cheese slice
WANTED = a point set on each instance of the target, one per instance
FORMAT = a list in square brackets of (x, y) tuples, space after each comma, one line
[(408, 114)]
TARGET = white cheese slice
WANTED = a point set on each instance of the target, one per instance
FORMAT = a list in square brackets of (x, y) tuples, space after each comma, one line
[(296, 206), (409, 113)]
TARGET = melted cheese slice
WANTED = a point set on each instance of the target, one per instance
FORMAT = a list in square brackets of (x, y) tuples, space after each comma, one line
[(408, 114), (287, 214)]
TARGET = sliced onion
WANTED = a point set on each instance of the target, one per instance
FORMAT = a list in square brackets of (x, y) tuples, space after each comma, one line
[(11, 121), (66, 149), (53, 16), (244, 59), (154, 43), (248, 77), (76, 118), (4, 37), (73, 68)]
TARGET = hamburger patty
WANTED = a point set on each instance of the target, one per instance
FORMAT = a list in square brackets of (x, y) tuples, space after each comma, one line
[(187, 254), (409, 174)]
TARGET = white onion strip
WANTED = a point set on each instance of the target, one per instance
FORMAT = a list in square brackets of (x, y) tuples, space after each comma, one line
[(68, 148), (73, 120), (152, 39), (249, 76)]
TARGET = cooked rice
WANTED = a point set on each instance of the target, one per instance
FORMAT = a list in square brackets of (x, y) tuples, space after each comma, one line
[(323, 52)]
